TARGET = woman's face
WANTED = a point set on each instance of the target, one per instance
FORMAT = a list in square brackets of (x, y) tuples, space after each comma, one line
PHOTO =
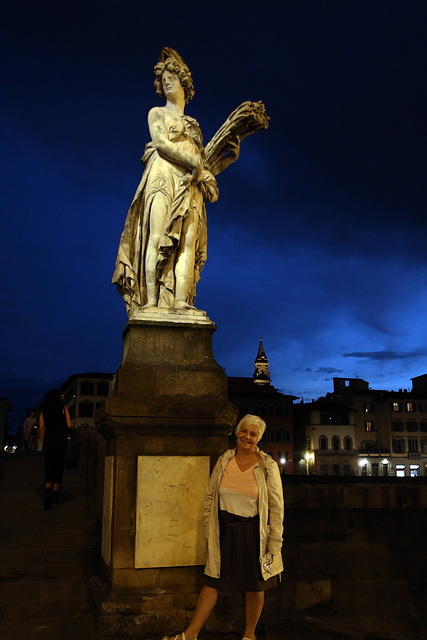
[(247, 438), (171, 85)]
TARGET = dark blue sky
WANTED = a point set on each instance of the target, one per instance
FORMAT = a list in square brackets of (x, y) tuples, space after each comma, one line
[(318, 241)]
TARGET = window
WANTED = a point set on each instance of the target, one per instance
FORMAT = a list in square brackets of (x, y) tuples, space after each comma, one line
[(323, 469), (103, 388), (410, 406), (412, 445), (399, 445), (348, 444), (336, 444), (369, 425), (267, 410), (375, 469), (384, 466), (282, 435), (422, 406), (85, 410), (414, 470), (396, 406), (282, 410), (368, 407), (323, 443), (347, 470), (308, 443), (335, 470), (86, 388), (423, 426), (423, 445), (400, 470), (412, 426), (268, 436), (397, 426)]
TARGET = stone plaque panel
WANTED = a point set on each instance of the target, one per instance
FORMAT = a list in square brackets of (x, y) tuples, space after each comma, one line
[(169, 511)]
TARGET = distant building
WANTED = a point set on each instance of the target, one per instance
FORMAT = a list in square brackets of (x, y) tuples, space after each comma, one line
[(325, 439), (84, 393), (257, 396), (391, 426)]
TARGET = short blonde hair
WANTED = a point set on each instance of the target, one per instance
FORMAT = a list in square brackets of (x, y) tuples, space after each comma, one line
[(250, 420)]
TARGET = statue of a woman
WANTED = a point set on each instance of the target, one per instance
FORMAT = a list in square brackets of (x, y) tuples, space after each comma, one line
[(163, 245)]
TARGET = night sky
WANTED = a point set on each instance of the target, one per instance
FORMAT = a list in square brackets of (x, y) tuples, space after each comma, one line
[(318, 241)]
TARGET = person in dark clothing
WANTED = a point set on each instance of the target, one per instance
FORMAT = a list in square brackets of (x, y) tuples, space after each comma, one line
[(55, 425)]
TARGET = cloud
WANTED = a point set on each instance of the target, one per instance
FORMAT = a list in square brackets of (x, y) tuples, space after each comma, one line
[(328, 370), (384, 355)]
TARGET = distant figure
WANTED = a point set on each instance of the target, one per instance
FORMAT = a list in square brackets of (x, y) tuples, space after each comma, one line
[(55, 425), (164, 243), (244, 526), (29, 430)]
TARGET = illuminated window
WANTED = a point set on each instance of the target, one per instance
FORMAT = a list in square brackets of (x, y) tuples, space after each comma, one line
[(368, 407), (396, 406), (410, 406), (414, 470), (369, 425), (400, 470)]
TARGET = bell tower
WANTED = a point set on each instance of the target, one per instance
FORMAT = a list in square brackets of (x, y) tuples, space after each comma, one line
[(261, 373)]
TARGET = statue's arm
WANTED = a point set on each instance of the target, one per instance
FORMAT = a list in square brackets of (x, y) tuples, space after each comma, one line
[(169, 150)]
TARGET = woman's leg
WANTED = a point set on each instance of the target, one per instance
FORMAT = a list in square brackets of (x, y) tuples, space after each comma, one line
[(254, 603), (204, 607)]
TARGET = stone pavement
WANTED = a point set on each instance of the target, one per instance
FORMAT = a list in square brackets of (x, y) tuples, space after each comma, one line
[(48, 557)]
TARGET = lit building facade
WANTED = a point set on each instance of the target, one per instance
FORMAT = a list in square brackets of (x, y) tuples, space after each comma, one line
[(84, 393)]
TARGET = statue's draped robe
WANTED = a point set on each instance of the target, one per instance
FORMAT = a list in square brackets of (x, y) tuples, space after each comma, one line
[(162, 178)]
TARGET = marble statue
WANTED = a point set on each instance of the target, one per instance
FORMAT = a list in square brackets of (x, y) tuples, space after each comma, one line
[(163, 245)]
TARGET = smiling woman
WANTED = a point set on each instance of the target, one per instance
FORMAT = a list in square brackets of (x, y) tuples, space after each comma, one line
[(244, 527)]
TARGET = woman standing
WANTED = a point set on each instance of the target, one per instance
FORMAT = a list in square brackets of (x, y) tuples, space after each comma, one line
[(244, 528), (55, 425)]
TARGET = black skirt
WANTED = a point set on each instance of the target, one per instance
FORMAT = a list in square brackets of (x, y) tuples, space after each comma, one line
[(240, 567)]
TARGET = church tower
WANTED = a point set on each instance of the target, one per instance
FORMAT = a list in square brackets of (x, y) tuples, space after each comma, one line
[(261, 373)]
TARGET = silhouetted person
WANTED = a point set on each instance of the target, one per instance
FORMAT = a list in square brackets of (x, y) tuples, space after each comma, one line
[(29, 429), (55, 425)]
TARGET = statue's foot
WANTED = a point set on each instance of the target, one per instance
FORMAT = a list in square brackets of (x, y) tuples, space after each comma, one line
[(180, 304)]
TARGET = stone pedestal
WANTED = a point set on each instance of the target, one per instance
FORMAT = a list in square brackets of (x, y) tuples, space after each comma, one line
[(166, 423)]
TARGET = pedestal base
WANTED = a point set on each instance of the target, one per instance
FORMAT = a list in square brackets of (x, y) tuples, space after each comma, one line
[(169, 407)]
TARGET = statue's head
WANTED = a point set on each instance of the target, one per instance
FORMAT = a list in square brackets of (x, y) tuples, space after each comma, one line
[(171, 61)]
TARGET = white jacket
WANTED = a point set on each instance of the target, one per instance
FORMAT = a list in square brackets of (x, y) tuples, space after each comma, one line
[(271, 511)]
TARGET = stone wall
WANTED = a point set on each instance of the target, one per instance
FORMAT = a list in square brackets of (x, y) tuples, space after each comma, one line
[(355, 551), (356, 555)]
